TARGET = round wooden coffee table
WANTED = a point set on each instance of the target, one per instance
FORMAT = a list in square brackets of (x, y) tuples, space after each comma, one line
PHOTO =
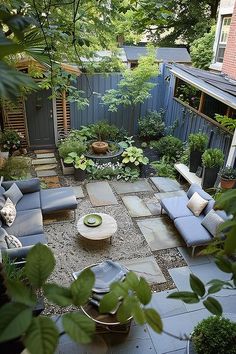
[(107, 228)]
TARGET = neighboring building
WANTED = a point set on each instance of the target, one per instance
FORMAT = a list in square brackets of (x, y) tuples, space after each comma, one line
[(225, 39), (163, 55)]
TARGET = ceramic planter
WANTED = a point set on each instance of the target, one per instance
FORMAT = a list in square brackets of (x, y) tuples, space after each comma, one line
[(79, 174), (209, 176), (100, 147), (227, 183), (195, 160)]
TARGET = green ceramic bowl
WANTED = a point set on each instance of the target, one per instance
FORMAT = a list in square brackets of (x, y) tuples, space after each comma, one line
[(92, 220)]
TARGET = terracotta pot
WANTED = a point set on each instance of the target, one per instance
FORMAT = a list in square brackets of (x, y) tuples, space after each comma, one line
[(100, 147), (227, 183)]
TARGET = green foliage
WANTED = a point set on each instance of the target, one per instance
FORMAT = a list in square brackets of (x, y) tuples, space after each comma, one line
[(164, 167), (189, 95), (16, 168), (229, 123), (128, 174), (134, 155), (11, 270), (128, 141), (169, 146), (201, 50), (151, 126), (197, 142), (104, 131), (85, 132), (228, 173), (70, 145), (214, 335), (212, 158), (10, 140), (105, 171), (79, 162)]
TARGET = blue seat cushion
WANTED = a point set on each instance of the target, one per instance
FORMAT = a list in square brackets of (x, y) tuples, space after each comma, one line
[(27, 222), (56, 199), (191, 230), (176, 207), (29, 201), (26, 186), (30, 240)]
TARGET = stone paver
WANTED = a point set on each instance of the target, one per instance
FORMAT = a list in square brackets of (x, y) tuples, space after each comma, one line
[(136, 207), (52, 182), (196, 260), (159, 233), (155, 208), (100, 194), (132, 187), (167, 307), (45, 155), (44, 161), (78, 192), (45, 167), (146, 267), (165, 184), (46, 173), (44, 151), (169, 194)]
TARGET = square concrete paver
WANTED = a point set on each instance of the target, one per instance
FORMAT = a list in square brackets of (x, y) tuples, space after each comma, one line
[(45, 167), (162, 195), (165, 184), (78, 192), (132, 187), (45, 156), (159, 233), (190, 260), (167, 307), (136, 207), (46, 173), (155, 208), (147, 268), (44, 161), (100, 194)]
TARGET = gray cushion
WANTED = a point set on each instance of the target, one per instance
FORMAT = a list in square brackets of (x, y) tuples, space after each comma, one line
[(176, 207), (3, 233), (29, 201), (209, 206), (28, 222), (13, 193), (196, 188), (33, 239), (193, 233), (211, 222), (26, 186), (2, 198), (56, 199)]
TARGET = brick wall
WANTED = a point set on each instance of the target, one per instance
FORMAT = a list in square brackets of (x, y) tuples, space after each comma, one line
[(229, 63)]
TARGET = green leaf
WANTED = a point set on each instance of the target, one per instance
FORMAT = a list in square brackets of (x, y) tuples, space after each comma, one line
[(79, 327), (120, 289), (42, 336), (40, 263), (154, 320), (20, 293), (213, 306), (138, 314), (15, 318), (143, 291), (81, 288), (215, 288), (223, 264), (197, 285), (132, 280), (58, 294), (108, 302), (125, 309), (186, 296), (230, 242)]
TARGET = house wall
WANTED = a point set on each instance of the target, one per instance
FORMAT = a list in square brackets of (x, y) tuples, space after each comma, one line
[(229, 63)]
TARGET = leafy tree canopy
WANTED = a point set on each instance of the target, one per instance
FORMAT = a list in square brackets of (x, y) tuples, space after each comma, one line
[(202, 50)]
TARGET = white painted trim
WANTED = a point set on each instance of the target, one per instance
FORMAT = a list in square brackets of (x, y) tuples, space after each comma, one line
[(54, 112), (232, 152)]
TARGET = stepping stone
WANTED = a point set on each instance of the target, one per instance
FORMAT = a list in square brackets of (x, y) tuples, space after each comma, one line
[(155, 208), (45, 167), (170, 194), (44, 151), (159, 233), (165, 184), (136, 207), (132, 187), (46, 173), (100, 194), (52, 182), (167, 307), (45, 156), (78, 192), (44, 161), (196, 260), (146, 267)]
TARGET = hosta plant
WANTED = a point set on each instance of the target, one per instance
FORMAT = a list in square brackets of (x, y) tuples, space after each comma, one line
[(134, 156), (79, 162)]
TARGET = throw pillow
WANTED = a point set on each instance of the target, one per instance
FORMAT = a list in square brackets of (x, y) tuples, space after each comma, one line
[(2, 199), (13, 241), (14, 194), (8, 212), (211, 222), (196, 204)]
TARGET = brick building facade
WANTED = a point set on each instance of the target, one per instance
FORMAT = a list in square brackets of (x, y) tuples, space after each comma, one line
[(229, 61)]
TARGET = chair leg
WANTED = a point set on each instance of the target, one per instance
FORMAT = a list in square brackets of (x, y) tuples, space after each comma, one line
[(193, 250)]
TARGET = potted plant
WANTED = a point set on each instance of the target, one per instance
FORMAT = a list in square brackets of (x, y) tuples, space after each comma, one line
[(197, 145), (133, 155), (212, 160), (10, 140), (212, 335), (80, 163), (228, 177), (103, 131)]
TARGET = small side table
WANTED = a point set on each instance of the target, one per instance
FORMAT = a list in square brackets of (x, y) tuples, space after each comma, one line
[(107, 228)]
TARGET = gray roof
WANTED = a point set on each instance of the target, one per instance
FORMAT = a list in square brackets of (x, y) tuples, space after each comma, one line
[(214, 84), (168, 55)]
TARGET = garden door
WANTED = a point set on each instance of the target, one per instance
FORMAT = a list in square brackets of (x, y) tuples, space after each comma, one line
[(39, 112)]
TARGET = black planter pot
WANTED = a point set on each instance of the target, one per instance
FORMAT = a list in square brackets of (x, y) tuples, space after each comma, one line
[(195, 160), (79, 174), (209, 177)]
